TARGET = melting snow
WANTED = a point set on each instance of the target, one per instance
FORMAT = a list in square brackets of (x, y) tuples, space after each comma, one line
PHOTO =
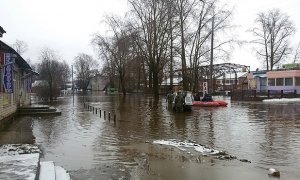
[(281, 100), (185, 145)]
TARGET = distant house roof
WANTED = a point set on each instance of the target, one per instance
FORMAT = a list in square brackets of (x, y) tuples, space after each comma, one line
[(2, 31), (19, 60)]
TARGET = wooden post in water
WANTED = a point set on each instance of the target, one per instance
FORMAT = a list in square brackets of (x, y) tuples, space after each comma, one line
[(108, 116), (96, 111), (115, 118), (104, 115), (100, 112), (281, 93), (93, 110), (268, 94)]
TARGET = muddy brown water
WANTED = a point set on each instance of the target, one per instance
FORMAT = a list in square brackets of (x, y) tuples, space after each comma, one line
[(91, 147)]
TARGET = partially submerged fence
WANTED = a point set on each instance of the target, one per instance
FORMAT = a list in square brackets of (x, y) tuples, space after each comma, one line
[(254, 95)]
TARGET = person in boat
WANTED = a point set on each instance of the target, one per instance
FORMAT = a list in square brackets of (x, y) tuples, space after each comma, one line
[(207, 98), (197, 97)]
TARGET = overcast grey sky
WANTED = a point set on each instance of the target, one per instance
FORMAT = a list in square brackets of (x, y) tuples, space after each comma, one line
[(68, 25)]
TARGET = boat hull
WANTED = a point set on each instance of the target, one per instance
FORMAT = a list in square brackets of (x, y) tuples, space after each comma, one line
[(210, 103)]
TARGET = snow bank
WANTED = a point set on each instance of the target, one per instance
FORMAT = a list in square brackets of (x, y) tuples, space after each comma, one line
[(16, 149), (281, 100), (22, 166)]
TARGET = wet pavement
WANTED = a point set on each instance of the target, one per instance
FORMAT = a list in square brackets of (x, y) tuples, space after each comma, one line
[(91, 147)]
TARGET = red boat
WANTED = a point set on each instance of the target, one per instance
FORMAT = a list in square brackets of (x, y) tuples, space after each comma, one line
[(209, 103)]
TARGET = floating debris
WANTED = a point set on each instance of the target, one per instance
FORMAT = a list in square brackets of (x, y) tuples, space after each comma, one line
[(245, 160), (274, 172)]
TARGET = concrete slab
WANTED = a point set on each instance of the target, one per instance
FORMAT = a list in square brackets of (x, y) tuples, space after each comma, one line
[(61, 173), (47, 170)]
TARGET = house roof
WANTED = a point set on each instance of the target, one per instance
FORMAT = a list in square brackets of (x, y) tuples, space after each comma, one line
[(19, 60), (2, 31)]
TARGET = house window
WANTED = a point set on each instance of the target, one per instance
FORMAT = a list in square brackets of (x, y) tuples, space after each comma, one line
[(271, 82), (288, 81), (297, 81), (279, 81)]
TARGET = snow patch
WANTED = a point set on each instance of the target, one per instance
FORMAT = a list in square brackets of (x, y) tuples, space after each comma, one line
[(281, 100), (16, 149), (22, 166)]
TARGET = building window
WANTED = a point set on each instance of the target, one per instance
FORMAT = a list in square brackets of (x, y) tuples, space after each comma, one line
[(297, 81), (288, 81), (279, 81), (271, 82)]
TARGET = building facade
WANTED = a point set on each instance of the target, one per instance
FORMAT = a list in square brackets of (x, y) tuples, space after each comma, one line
[(15, 80)]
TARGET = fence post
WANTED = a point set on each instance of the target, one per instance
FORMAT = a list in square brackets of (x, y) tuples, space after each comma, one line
[(104, 115), (115, 118), (108, 116), (268, 94), (281, 93), (100, 112)]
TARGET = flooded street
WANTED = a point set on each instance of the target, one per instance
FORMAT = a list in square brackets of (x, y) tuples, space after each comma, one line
[(150, 141)]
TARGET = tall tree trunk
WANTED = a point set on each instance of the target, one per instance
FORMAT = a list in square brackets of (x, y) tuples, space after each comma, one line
[(183, 59), (155, 83), (211, 90)]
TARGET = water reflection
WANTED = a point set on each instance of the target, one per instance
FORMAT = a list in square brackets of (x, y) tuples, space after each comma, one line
[(90, 146)]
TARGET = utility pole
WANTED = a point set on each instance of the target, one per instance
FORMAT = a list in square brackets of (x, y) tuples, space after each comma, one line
[(211, 90), (72, 85), (171, 46)]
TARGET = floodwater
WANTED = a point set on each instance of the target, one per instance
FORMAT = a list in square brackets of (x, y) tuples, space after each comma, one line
[(150, 141)]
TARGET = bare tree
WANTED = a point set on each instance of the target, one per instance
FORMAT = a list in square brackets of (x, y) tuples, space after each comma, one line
[(151, 24), (183, 9), (52, 71), (297, 54), (117, 50), (272, 34), (200, 23), (20, 46), (85, 67)]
